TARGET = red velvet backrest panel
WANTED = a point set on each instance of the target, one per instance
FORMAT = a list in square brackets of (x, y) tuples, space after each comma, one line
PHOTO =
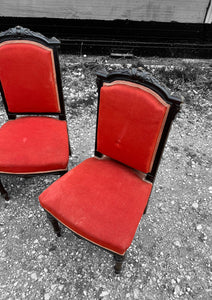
[(27, 75), (130, 123)]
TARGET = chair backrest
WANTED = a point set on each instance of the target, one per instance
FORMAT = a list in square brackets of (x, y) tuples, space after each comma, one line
[(134, 117), (30, 79)]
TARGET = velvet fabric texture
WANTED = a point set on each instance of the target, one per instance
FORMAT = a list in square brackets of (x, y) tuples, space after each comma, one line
[(130, 123), (28, 79), (33, 145), (101, 200)]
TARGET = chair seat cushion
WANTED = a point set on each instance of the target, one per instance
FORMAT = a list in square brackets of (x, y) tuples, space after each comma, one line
[(101, 200), (33, 145)]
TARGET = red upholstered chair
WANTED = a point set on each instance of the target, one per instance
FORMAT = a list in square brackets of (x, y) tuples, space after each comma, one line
[(35, 139), (104, 197)]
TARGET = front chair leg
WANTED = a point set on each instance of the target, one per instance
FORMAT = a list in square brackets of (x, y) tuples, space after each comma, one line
[(3, 192), (54, 223), (119, 261)]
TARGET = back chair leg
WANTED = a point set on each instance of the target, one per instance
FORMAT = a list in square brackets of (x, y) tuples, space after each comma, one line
[(119, 261), (54, 223), (145, 209), (3, 192)]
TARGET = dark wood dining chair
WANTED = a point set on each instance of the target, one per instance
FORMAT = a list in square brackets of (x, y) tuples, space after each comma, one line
[(103, 198), (35, 138)]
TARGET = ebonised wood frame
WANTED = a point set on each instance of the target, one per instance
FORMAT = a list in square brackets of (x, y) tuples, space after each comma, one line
[(147, 80), (21, 33)]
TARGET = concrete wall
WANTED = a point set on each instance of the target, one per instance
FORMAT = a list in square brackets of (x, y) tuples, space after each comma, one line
[(184, 11)]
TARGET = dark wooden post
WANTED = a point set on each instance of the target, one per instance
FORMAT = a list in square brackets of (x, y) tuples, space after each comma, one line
[(119, 261)]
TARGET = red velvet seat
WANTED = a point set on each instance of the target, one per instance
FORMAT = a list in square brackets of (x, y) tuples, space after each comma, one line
[(103, 198), (98, 207), (40, 143), (35, 139)]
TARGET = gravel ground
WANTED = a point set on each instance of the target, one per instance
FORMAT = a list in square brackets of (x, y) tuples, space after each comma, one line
[(171, 256)]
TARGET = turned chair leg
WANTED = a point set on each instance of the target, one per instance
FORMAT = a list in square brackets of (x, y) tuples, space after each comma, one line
[(54, 223), (119, 261), (3, 192)]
